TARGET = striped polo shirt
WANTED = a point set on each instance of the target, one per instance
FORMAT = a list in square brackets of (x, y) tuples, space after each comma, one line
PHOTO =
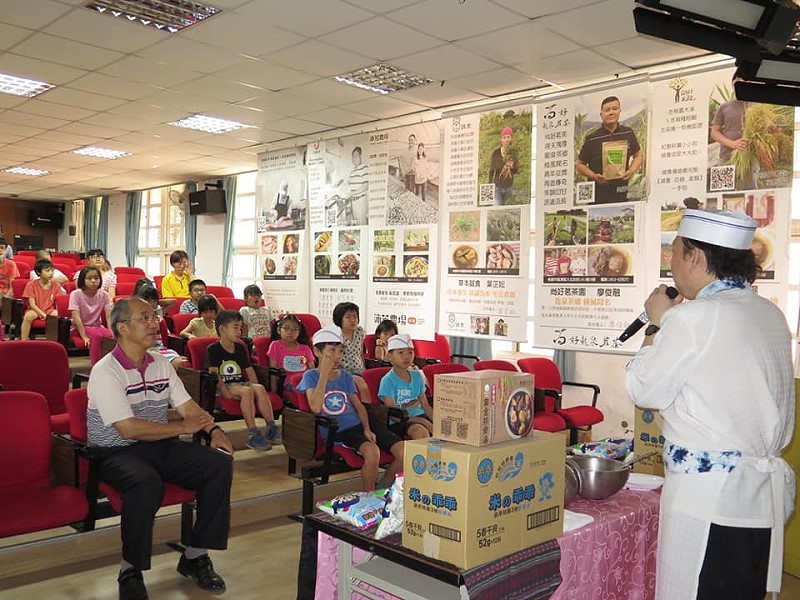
[(119, 390)]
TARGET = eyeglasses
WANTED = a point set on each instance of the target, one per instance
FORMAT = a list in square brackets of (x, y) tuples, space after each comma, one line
[(145, 319)]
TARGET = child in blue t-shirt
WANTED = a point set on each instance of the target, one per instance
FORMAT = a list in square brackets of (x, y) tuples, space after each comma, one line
[(403, 387), (332, 392)]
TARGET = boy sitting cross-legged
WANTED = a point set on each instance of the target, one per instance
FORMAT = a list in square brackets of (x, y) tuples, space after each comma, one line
[(228, 359), (332, 393)]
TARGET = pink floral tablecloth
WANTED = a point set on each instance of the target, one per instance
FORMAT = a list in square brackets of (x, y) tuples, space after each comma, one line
[(613, 558)]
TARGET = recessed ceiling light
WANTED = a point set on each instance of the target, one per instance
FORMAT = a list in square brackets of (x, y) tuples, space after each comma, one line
[(208, 124), (27, 171), (100, 152), (19, 86), (383, 79), (164, 15)]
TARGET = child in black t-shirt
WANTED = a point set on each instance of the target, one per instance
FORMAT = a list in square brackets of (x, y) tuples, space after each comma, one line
[(229, 360)]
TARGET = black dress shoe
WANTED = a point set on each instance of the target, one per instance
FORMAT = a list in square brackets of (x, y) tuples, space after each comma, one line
[(202, 571), (131, 585)]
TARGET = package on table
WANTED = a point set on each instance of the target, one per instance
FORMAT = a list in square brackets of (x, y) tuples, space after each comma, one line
[(647, 439), (483, 407), (469, 505)]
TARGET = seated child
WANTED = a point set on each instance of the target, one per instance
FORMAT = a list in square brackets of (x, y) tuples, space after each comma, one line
[(176, 284), (87, 304), (288, 350), (41, 294), (331, 392), (8, 271), (228, 359), (97, 258), (404, 388), (203, 326), (58, 275), (257, 319), (150, 295), (385, 329), (197, 289), (345, 316)]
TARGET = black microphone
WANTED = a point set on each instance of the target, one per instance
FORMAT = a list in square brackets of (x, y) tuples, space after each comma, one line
[(642, 319)]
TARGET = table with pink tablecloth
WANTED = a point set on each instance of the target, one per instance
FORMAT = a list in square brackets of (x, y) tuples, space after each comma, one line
[(613, 558)]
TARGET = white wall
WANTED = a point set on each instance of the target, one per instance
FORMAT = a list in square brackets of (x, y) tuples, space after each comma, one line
[(607, 371), (116, 231)]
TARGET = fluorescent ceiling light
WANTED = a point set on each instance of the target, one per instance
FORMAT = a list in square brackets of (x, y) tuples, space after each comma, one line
[(19, 86), (737, 12), (100, 152), (382, 79), (27, 171), (164, 15), (208, 124)]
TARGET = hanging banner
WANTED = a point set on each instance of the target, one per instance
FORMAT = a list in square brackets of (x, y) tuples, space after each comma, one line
[(711, 151), (403, 224), (590, 195), (338, 186), (485, 245), (282, 202)]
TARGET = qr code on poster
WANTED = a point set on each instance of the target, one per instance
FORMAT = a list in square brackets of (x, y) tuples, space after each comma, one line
[(722, 178), (584, 194), (487, 194)]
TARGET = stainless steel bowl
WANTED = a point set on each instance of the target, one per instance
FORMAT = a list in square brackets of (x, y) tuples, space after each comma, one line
[(570, 482), (599, 478)]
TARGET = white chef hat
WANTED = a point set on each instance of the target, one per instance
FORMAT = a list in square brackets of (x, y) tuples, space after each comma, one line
[(328, 335), (398, 342), (719, 227)]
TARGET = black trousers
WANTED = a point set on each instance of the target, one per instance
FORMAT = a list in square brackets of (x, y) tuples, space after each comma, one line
[(138, 473), (735, 565)]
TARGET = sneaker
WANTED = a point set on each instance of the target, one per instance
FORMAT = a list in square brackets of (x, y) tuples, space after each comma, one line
[(258, 442), (131, 585), (274, 435), (202, 571)]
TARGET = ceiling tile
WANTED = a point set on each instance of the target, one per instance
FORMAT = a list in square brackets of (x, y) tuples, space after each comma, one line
[(640, 52), (435, 96), (541, 8), (15, 117), (453, 21), (600, 23), (264, 74), (572, 67), (292, 125), (18, 12), (210, 88), (116, 87), (101, 133), (148, 71), (382, 6), (497, 82), (67, 137), (384, 107), (9, 101), (148, 113), (519, 43), (10, 35), (382, 39), (190, 54), (301, 18), (330, 92), (237, 33), (319, 58), (89, 27), (23, 66), (75, 98), (66, 52), (40, 144), (50, 109), (446, 62), (337, 117)]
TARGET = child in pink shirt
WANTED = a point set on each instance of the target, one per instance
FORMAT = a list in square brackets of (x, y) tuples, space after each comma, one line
[(87, 305), (289, 351)]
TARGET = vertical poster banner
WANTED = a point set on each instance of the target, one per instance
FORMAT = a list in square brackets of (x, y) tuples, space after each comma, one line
[(712, 151), (282, 203), (485, 245), (403, 217), (590, 193), (339, 177)]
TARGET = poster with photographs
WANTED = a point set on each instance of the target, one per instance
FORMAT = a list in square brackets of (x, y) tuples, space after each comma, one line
[(403, 279), (712, 151), (485, 239), (281, 208), (592, 261)]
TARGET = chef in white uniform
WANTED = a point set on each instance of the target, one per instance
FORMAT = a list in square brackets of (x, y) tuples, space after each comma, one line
[(718, 366)]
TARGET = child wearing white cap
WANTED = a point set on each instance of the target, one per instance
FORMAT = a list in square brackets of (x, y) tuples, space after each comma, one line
[(332, 392), (403, 387)]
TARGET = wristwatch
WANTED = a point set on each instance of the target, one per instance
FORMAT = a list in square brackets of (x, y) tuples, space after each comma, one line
[(652, 329)]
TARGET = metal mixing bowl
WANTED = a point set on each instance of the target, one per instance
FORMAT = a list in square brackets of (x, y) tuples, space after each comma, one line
[(570, 483), (599, 478)]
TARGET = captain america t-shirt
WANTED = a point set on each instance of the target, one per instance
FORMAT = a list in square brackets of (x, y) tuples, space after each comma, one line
[(336, 403)]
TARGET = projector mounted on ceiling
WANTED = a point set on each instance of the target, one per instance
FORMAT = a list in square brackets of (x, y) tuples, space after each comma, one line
[(761, 34)]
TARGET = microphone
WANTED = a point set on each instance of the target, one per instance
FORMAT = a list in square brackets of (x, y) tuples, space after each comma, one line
[(642, 319)]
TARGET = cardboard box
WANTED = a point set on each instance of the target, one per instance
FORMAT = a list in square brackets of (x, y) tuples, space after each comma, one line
[(470, 505), (647, 439), (483, 407)]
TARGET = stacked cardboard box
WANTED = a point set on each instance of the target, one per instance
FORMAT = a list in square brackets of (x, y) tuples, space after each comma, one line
[(494, 487)]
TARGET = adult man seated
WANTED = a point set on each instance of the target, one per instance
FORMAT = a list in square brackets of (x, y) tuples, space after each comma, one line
[(130, 391)]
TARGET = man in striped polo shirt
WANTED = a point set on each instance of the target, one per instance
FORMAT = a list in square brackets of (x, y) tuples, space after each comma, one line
[(130, 391)]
